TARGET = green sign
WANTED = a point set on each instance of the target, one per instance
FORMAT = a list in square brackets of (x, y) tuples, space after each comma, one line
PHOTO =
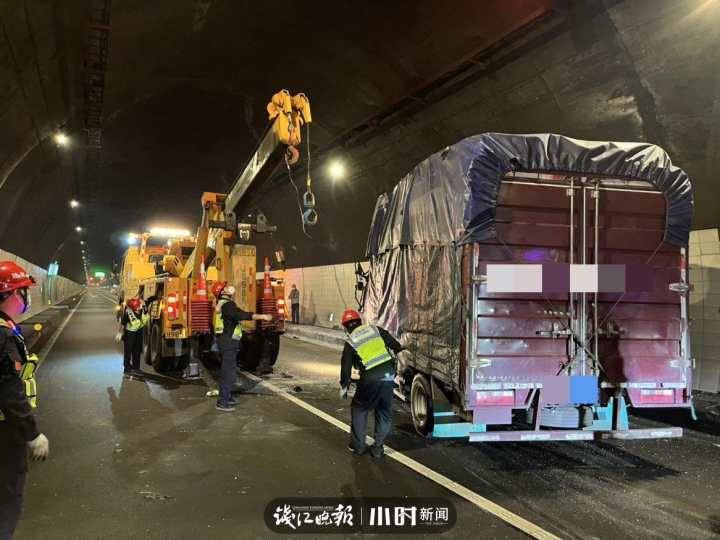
[(100, 275)]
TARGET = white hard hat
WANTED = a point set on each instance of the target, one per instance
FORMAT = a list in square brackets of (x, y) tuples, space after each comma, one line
[(229, 290)]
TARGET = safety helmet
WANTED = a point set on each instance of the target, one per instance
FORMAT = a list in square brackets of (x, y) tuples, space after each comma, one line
[(13, 277), (218, 287), (229, 290), (350, 315), (134, 304)]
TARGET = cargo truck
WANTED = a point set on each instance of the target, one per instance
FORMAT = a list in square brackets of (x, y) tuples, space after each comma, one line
[(540, 286)]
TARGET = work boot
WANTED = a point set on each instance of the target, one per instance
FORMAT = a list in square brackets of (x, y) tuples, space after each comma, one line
[(355, 451), (377, 451), (232, 402), (224, 407)]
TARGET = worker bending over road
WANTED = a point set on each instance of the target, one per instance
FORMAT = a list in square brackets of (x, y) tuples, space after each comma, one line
[(228, 334), (371, 350), (18, 396), (132, 322)]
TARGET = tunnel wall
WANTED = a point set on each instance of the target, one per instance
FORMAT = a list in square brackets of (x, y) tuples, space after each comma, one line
[(633, 71), (325, 292), (705, 308), (48, 291)]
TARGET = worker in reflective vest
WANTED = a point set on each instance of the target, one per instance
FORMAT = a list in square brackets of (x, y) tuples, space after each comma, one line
[(228, 335), (372, 351), (18, 397), (132, 322)]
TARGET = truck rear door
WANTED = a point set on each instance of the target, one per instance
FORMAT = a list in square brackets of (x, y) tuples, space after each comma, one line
[(634, 340)]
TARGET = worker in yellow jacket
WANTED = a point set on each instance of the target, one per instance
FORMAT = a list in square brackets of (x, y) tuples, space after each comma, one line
[(371, 350), (132, 322)]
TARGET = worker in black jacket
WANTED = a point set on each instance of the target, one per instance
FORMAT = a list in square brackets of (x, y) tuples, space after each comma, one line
[(372, 351), (132, 322), (18, 430), (228, 333)]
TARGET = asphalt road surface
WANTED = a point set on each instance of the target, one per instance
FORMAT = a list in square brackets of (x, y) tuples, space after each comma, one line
[(152, 458)]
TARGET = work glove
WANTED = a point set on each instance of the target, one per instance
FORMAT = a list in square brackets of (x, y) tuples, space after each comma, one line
[(267, 318), (39, 447), (343, 392), (118, 337)]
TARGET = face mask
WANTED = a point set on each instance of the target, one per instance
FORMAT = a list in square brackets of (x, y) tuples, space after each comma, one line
[(27, 299), (17, 303)]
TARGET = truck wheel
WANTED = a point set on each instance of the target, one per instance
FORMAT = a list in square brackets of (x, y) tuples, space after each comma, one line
[(421, 405), (160, 363), (270, 350), (181, 363), (146, 345), (249, 356)]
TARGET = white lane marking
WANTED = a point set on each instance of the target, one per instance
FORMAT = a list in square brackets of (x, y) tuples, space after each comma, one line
[(481, 502), (104, 297), (49, 345)]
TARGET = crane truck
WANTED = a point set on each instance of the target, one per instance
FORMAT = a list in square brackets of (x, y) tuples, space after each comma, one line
[(174, 282)]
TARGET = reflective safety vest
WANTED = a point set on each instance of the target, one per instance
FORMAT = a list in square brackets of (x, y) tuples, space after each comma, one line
[(220, 325), (25, 369), (134, 324), (369, 345)]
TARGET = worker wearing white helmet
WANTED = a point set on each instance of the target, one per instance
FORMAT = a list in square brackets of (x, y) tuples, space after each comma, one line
[(228, 333)]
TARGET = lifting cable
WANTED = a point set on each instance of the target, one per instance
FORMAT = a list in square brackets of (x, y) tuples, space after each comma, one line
[(309, 216), (297, 192)]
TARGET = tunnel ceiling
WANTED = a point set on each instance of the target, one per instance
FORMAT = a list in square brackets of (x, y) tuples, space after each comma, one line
[(390, 82)]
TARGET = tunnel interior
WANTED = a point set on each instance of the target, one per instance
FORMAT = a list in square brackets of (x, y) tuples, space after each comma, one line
[(184, 94)]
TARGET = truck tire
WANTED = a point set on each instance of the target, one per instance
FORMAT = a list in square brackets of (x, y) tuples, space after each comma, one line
[(269, 351), (421, 405), (146, 345), (249, 356), (181, 363), (160, 363)]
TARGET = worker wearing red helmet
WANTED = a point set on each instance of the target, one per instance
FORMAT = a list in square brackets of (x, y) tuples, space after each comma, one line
[(18, 397), (134, 318), (228, 333), (371, 350)]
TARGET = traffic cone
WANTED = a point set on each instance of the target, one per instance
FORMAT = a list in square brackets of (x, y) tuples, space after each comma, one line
[(267, 304), (202, 284), (267, 284)]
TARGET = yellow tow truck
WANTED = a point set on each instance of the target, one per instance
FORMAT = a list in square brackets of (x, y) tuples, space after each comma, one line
[(175, 280)]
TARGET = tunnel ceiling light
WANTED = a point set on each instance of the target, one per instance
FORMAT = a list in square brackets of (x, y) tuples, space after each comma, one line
[(165, 232), (74, 203), (82, 242), (132, 239), (61, 139), (78, 229), (336, 170)]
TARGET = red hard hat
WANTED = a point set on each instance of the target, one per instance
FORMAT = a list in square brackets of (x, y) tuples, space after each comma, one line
[(13, 277), (134, 304), (218, 288), (350, 315)]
